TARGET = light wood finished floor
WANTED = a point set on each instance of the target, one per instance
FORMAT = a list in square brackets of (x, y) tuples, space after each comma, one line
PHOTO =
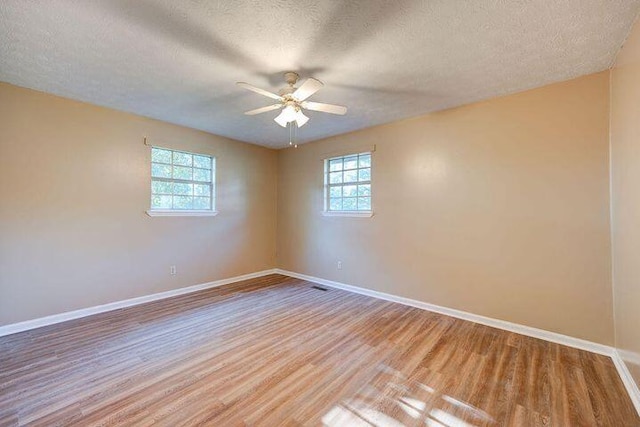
[(274, 351)]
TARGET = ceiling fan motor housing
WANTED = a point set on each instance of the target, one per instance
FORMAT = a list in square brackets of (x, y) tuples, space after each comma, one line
[(286, 91), (291, 77)]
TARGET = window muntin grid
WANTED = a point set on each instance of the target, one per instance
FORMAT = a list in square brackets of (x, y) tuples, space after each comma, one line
[(348, 183), (182, 181)]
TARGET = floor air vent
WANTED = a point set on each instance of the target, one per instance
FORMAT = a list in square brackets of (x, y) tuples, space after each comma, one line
[(320, 288)]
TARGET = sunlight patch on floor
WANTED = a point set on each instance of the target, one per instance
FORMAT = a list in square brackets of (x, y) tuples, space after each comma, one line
[(369, 405)]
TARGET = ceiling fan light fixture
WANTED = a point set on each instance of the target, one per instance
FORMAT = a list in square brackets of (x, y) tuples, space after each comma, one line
[(281, 121), (301, 119), (287, 115), (290, 114)]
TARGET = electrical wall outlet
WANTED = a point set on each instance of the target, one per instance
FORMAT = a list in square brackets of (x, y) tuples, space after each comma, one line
[(339, 265), (173, 270)]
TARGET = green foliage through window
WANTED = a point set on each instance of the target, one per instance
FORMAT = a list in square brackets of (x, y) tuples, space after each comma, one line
[(348, 183), (181, 180)]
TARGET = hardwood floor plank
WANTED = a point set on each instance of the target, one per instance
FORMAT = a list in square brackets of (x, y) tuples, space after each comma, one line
[(274, 351)]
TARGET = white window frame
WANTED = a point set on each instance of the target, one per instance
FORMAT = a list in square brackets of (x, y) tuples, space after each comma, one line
[(327, 187), (183, 212)]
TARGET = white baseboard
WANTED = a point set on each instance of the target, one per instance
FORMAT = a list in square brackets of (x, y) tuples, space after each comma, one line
[(459, 314), (627, 379), (76, 314)]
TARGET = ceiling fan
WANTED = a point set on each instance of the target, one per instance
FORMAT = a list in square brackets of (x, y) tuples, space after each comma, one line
[(293, 100)]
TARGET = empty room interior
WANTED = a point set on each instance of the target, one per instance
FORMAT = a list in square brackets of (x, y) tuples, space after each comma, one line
[(320, 213)]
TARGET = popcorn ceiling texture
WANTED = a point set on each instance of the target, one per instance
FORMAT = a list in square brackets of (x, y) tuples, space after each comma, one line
[(385, 60)]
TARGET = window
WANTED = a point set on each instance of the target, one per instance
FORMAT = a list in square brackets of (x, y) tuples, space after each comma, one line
[(182, 183), (347, 184)]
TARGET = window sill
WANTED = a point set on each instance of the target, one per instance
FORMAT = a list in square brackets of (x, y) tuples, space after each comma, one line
[(360, 214), (160, 212)]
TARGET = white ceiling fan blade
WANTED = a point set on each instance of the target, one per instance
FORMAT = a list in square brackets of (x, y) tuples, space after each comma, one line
[(258, 90), (325, 108), (263, 109), (308, 88)]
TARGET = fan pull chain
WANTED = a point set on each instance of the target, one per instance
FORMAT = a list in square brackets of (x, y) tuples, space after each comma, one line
[(290, 131)]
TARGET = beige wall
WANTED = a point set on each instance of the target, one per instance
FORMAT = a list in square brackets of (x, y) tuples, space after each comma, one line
[(625, 200), (74, 186), (500, 208)]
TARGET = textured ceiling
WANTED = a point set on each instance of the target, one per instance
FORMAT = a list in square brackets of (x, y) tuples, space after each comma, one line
[(386, 60)]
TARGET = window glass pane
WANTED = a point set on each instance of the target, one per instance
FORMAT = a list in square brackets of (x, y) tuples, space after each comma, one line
[(350, 190), (161, 202), (364, 203), (202, 190), (335, 165), (343, 175), (335, 178), (183, 159), (202, 175), (335, 204), (364, 190), (202, 162), (161, 187), (349, 204), (351, 162), (183, 189), (364, 174), (201, 203), (182, 172), (160, 155), (178, 176), (182, 202), (160, 171), (351, 176), (364, 160)]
